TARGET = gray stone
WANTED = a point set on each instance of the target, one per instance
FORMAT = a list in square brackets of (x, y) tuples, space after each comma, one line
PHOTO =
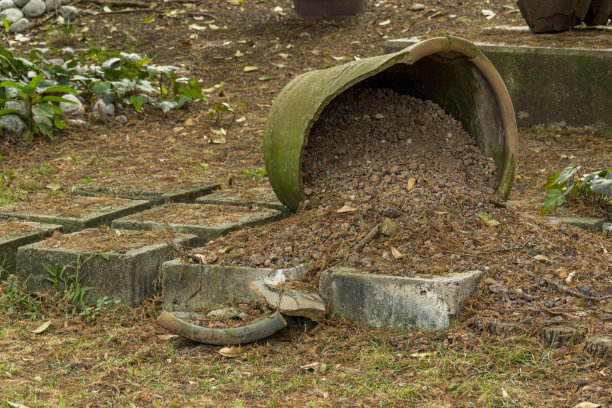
[(559, 336), (191, 287), (19, 26), (121, 118), (72, 109), (34, 8), (69, 12), (103, 110), (396, 302), (606, 228), (13, 124), (6, 4), (56, 62), (10, 243), (157, 196), (127, 277), (258, 196), (205, 231), (20, 3), (600, 347), (73, 224), (11, 92), (52, 5), (587, 223), (576, 81), (13, 14), (18, 106)]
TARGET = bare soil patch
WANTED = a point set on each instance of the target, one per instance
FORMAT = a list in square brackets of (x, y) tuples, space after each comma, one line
[(122, 357), (102, 240)]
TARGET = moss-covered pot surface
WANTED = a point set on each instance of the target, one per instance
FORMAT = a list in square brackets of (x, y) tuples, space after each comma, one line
[(450, 71)]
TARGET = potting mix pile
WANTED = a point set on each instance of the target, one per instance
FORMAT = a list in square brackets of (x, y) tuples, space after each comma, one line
[(404, 173)]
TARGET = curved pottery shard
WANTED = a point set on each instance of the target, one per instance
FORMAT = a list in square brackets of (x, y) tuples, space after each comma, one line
[(260, 329), (450, 71)]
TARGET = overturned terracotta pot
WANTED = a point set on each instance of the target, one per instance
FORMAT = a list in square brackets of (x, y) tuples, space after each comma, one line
[(450, 71), (327, 8)]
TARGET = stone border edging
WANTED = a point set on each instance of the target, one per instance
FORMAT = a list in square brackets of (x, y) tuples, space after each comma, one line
[(551, 86)]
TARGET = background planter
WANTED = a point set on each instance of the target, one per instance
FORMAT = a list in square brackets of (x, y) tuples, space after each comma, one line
[(561, 15), (449, 71), (327, 8)]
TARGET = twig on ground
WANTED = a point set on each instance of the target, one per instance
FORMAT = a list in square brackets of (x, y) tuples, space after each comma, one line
[(494, 251), (366, 240), (118, 3), (574, 293)]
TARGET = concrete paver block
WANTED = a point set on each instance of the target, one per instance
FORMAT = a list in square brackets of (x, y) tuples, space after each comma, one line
[(258, 196), (396, 302), (205, 231), (73, 224), (191, 287), (10, 243), (590, 224), (127, 276), (180, 195)]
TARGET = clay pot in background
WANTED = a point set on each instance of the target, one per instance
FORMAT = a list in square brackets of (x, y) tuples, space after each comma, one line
[(561, 15), (327, 8)]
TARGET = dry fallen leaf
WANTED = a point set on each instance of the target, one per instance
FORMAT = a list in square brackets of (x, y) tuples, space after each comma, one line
[(41, 328), (189, 122), (570, 277), (542, 258), (15, 405), (411, 182), (232, 352), (346, 209), (586, 404), (396, 253), (167, 336)]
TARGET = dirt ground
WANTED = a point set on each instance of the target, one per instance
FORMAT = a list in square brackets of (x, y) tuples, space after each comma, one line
[(495, 355)]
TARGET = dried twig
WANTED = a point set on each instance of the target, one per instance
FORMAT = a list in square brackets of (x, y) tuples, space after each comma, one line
[(494, 251), (574, 293), (366, 240), (118, 3)]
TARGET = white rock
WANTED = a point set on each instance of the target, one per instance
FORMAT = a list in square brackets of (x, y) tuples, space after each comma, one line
[(20, 3), (69, 12), (416, 7), (103, 110), (12, 124), (76, 122), (11, 92), (34, 8), (19, 26), (6, 4), (51, 5), (13, 14), (18, 106), (72, 109), (121, 118)]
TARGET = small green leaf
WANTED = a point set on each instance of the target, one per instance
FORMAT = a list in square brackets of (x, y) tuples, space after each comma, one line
[(238, 54), (554, 199), (53, 98), (266, 77), (148, 19), (213, 27), (488, 219), (249, 68), (53, 186), (137, 101), (60, 88)]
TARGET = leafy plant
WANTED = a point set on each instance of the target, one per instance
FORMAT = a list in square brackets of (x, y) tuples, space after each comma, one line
[(15, 298), (564, 184), (104, 306), (221, 108), (256, 174), (67, 279)]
